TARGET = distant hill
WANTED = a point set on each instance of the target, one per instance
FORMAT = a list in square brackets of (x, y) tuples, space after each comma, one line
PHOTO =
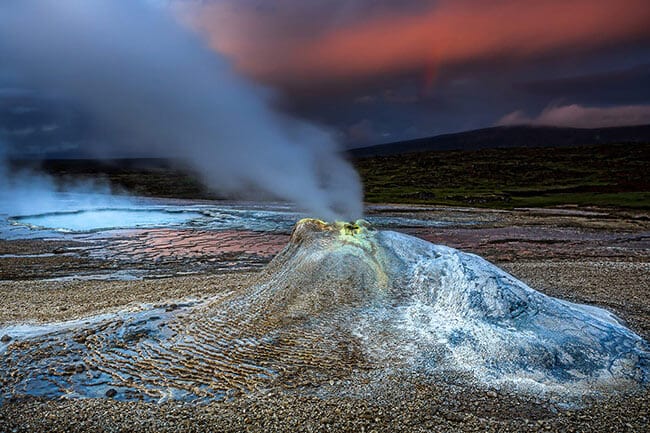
[(510, 136)]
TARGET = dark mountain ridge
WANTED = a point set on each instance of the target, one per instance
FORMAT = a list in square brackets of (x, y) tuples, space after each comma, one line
[(510, 136)]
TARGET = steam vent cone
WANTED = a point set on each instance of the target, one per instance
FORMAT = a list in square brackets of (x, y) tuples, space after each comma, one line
[(340, 301)]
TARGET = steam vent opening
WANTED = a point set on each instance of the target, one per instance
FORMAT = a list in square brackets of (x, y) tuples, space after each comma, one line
[(341, 299)]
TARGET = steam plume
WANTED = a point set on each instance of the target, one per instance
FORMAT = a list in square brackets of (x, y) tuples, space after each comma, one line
[(23, 191), (150, 82)]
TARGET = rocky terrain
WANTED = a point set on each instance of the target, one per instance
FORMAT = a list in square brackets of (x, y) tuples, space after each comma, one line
[(599, 257)]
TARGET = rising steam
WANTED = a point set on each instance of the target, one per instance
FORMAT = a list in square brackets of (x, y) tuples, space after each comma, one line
[(152, 84)]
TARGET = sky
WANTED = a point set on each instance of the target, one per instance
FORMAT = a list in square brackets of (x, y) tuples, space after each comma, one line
[(376, 71)]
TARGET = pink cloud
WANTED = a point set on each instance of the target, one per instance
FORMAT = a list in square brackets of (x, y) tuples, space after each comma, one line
[(578, 116), (297, 40)]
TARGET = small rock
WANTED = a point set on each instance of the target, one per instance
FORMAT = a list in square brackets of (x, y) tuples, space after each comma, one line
[(491, 394), (5, 338), (111, 393), (79, 338)]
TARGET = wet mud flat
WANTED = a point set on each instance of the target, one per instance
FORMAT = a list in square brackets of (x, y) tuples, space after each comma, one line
[(600, 258), (499, 236), (138, 254)]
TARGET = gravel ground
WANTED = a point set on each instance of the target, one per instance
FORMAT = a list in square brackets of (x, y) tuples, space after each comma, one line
[(411, 405), (51, 301), (398, 404)]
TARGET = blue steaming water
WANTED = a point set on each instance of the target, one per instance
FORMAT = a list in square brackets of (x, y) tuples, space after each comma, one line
[(79, 213)]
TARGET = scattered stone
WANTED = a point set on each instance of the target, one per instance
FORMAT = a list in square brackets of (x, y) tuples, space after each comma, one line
[(5, 338), (110, 393), (80, 338)]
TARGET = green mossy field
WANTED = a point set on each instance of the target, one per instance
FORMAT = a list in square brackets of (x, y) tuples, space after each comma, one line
[(603, 175)]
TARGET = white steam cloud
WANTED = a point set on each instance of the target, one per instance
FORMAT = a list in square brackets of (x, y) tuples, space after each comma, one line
[(24, 192), (152, 84)]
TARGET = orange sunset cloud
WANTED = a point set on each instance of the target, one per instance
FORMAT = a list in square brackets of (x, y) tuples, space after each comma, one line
[(446, 33)]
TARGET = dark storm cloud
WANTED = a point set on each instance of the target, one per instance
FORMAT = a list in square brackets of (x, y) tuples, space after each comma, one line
[(33, 125), (627, 86)]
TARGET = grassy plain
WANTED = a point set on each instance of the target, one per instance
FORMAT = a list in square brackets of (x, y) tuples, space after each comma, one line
[(600, 175)]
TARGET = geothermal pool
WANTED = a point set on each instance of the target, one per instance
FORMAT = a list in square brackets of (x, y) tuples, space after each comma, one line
[(77, 236), (107, 219), (76, 214)]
